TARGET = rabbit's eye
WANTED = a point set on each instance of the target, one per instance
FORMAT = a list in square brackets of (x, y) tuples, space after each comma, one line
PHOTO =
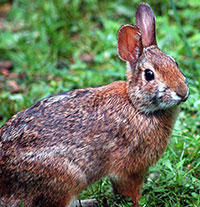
[(149, 75)]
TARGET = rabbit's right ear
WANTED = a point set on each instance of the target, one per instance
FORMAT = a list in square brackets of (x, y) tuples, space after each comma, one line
[(145, 21), (129, 43)]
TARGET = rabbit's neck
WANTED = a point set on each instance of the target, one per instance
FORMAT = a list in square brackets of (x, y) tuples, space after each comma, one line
[(150, 135)]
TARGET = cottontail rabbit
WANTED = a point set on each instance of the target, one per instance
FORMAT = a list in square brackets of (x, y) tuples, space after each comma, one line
[(53, 150)]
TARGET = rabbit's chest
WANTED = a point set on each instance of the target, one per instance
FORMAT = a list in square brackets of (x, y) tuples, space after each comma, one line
[(150, 137), (149, 149)]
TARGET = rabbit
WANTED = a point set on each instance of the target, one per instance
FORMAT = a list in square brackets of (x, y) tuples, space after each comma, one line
[(50, 152)]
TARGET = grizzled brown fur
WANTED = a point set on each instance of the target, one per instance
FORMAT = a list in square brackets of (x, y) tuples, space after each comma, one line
[(53, 150)]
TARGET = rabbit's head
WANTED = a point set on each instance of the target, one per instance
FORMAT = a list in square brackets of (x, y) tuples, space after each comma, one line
[(154, 79)]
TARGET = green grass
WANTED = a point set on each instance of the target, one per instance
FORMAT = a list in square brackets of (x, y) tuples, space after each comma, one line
[(61, 45)]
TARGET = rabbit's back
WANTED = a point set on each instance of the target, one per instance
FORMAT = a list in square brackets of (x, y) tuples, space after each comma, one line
[(66, 136), (60, 144)]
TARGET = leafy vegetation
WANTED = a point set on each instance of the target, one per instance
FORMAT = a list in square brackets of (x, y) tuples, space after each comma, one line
[(60, 45)]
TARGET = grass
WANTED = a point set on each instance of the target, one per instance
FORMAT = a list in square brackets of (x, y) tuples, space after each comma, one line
[(60, 45)]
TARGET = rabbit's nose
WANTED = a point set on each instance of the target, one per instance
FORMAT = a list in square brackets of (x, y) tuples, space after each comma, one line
[(186, 96), (183, 95)]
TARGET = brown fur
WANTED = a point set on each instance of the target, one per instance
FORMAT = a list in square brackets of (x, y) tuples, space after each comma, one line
[(37, 144), (53, 150)]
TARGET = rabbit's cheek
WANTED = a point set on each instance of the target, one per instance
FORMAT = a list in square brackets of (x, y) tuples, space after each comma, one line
[(166, 98), (149, 89)]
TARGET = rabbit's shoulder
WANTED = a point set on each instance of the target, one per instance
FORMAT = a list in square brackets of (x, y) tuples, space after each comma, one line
[(54, 112)]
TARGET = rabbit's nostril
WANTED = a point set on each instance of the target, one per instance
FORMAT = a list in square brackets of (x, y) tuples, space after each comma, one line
[(183, 96)]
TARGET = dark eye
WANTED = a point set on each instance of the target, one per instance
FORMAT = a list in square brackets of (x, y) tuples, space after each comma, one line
[(149, 75)]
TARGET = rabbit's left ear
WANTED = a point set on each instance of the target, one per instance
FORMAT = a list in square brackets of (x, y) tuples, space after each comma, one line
[(129, 43), (145, 21)]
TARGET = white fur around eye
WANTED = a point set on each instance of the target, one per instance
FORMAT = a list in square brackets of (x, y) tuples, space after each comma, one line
[(147, 65)]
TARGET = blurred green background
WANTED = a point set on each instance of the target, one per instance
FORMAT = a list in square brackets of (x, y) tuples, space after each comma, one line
[(49, 46)]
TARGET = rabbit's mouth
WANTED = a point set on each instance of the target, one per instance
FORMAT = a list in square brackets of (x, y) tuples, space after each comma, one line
[(177, 99), (161, 102), (157, 105)]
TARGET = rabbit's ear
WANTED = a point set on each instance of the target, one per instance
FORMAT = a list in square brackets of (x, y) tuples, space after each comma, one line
[(145, 21), (129, 43)]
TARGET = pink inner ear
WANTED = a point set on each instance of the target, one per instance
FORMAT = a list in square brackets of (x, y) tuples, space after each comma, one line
[(129, 43)]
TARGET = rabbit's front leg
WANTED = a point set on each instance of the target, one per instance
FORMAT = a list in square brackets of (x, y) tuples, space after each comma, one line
[(129, 187)]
